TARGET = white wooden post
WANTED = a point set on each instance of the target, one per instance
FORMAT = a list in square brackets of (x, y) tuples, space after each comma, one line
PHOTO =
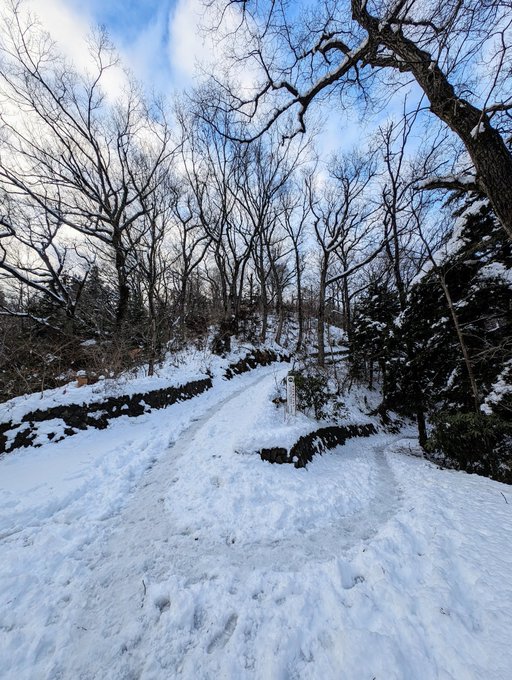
[(291, 399)]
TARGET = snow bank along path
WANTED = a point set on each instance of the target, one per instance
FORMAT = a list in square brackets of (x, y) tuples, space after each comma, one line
[(200, 561)]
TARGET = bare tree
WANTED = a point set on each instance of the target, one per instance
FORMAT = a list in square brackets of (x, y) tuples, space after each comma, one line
[(404, 204), (188, 248), (88, 162), (457, 51), (341, 226), (295, 215), (35, 255), (215, 167), (267, 170)]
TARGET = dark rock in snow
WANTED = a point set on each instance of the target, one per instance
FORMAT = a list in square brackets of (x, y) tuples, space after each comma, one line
[(325, 438)]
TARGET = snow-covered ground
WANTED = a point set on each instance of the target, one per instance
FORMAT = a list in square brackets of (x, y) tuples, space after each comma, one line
[(163, 547), (178, 368)]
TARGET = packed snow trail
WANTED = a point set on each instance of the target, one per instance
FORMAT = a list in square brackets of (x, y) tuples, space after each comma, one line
[(367, 564), (145, 531), (165, 547)]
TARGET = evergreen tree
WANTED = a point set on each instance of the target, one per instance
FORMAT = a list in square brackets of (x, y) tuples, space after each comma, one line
[(475, 272), (372, 333)]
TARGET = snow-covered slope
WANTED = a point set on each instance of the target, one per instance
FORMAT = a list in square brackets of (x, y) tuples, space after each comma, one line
[(178, 368), (164, 548)]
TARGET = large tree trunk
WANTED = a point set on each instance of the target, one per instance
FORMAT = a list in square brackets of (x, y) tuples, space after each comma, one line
[(485, 145), (491, 158), (122, 280)]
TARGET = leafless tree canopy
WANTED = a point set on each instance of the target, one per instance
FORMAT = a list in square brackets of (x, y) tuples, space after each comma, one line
[(132, 226), (457, 51)]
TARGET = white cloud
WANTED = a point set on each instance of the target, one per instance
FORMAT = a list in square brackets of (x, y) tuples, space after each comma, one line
[(146, 54), (66, 27), (200, 43), (70, 30), (187, 45)]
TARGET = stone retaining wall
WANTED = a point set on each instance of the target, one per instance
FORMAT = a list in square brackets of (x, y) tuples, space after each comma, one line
[(256, 357), (76, 417), (321, 440)]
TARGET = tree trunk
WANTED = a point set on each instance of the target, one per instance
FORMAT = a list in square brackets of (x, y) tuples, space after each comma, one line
[(320, 333), (123, 287), (462, 343), (182, 306), (347, 317), (122, 304), (251, 289), (396, 262), (152, 346), (300, 309), (485, 145), (422, 426), (280, 315)]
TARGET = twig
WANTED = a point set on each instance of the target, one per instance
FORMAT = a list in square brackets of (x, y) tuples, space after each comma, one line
[(501, 492)]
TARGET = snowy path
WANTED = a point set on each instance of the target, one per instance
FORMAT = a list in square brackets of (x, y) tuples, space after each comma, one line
[(369, 564), (143, 547), (144, 532)]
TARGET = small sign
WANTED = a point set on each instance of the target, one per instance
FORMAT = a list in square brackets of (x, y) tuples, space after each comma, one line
[(291, 399)]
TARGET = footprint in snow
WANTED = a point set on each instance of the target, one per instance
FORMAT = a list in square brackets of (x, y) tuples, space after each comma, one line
[(162, 602), (357, 579), (348, 579), (198, 618), (221, 639)]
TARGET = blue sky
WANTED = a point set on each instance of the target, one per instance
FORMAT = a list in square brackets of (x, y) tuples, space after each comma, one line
[(124, 19), (161, 42), (140, 29), (158, 40), (147, 32)]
